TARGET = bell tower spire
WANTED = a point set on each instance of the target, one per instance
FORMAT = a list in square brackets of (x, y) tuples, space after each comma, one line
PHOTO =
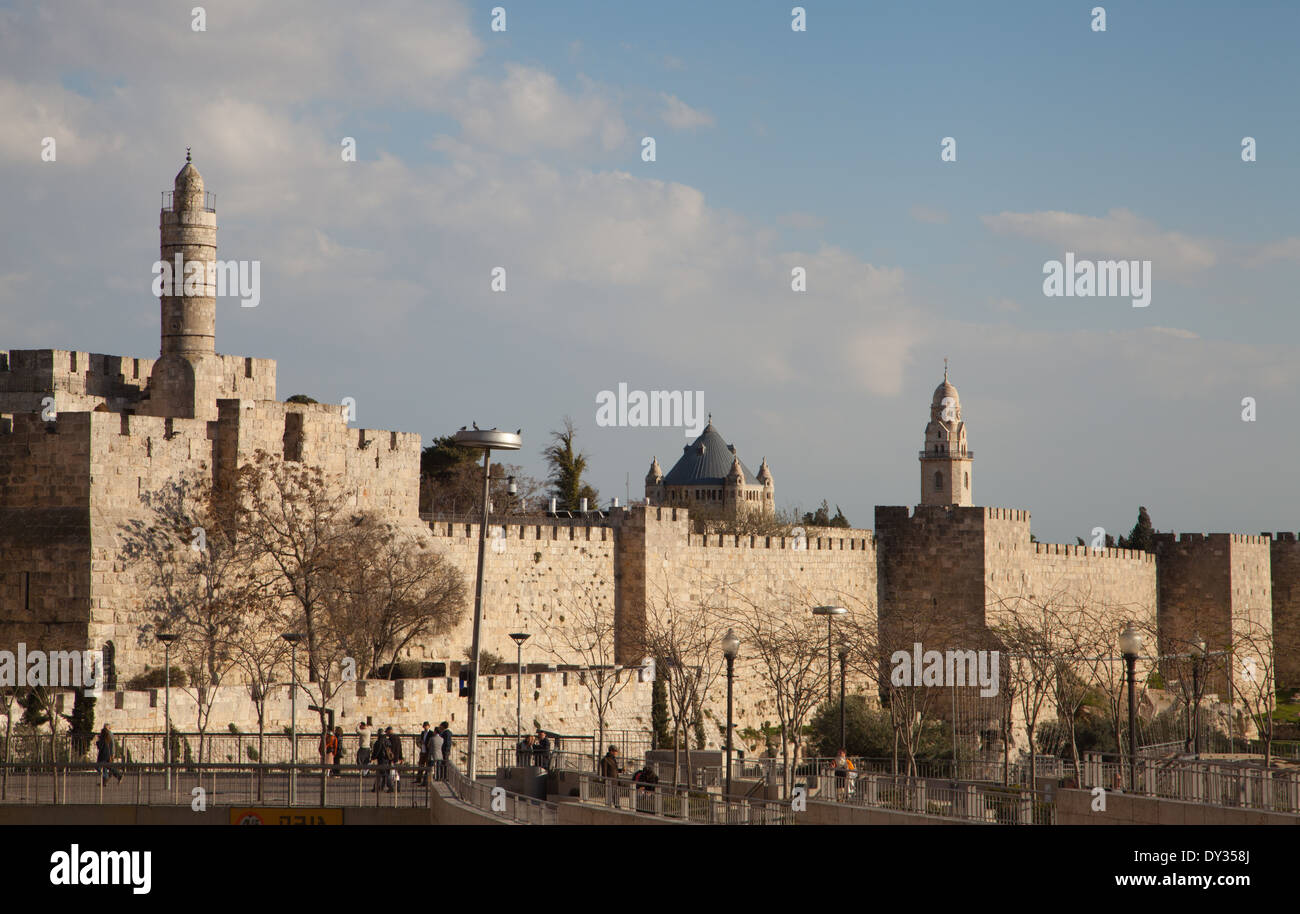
[(946, 462)]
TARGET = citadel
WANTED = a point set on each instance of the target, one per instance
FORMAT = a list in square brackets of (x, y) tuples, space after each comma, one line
[(84, 435)]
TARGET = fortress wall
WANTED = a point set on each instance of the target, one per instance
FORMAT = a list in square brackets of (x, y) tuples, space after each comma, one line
[(132, 456), (45, 480), (381, 468), (747, 575), (556, 701), (78, 381), (1284, 566), (545, 579), (1212, 586), (247, 378), (1112, 586), (931, 584)]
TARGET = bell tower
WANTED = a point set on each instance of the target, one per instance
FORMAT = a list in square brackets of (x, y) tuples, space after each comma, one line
[(946, 462)]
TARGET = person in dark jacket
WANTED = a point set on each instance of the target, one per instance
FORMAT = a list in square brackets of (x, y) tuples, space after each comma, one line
[(104, 756), (381, 753), (542, 750), (446, 750), (609, 764), (610, 769), (425, 734), (395, 744)]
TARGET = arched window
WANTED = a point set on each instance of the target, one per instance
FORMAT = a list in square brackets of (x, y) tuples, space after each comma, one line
[(938, 481), (968, 480)]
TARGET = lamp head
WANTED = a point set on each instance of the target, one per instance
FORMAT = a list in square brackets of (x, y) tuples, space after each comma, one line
[(730, 644), (1130, 641)]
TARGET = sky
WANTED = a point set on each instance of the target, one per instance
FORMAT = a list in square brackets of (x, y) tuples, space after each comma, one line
[(775, 149)]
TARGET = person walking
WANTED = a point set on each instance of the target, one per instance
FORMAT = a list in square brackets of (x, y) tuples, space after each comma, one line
[(395, 747), (435, 754), (363, 748), (104, 756), (842, 765), (381, 753), (446, 750), (610, 769), (329, 749), (425, 734), (337, 770)]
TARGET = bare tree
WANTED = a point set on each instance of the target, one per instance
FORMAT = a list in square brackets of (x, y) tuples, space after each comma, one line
[(195, 567), (682, 638), (586, 639), (1253, 650), (779, 630), (295, 521), (389, 590)]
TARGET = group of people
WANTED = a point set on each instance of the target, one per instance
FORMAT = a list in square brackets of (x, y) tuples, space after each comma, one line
[(384, 751), (534, 749)]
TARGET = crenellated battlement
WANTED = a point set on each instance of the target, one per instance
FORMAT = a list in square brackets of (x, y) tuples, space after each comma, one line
[(853, 540), (1202, 539), (1091, 552), (1284, 536)]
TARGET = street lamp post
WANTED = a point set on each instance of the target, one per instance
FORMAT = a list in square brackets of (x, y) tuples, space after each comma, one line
[(487, 439), (519, 638), (830, 612), (730, 648), (844, 656), (167, 638), (293, 638), (1130, 645), (1198, 653)]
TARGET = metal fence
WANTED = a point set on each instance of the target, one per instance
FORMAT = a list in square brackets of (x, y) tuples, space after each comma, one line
[(134, 784), (500, 802), (985, 803), (1213, 783), (687, 804)]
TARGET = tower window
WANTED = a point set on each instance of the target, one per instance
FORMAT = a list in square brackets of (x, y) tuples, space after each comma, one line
[(968, 480), (938, 481)]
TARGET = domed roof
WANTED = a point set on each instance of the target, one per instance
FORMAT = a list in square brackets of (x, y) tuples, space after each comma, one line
[(706, 461), (188, 187), (188, 178), (944, 390)]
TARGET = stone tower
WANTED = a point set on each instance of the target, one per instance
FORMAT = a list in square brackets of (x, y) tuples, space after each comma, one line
[(187, 377), (946, 462)]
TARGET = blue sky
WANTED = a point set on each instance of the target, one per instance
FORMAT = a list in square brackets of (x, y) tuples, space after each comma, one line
[(774, 149)]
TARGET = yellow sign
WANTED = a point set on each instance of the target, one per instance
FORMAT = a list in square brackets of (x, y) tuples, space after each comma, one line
[(281, 815)]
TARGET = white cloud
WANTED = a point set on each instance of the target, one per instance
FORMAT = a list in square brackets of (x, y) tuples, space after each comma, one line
[(681, 116), (1119, 234), (529, 111), (928, 215)]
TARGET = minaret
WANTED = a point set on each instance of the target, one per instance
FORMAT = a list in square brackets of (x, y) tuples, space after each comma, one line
[(946, 461), (187, 377)]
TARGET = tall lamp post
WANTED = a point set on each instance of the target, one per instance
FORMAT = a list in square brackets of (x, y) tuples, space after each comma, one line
[(1130, 645), (167, 638), (519, 638), (730, 649), (844, 657), (487, 440), (830, 612), (1198, 654), (293, 638)]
